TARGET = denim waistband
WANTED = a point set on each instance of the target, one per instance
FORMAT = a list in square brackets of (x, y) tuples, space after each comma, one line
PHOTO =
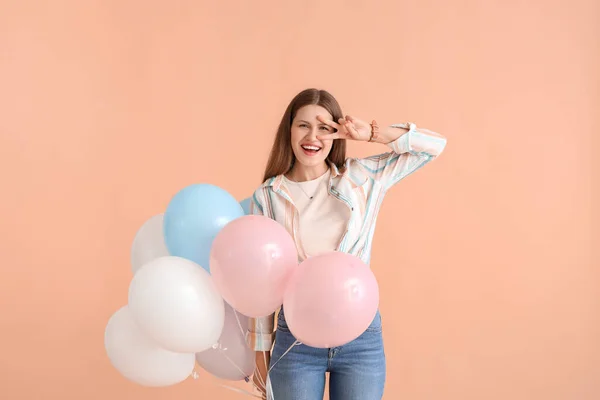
[(376, 320)]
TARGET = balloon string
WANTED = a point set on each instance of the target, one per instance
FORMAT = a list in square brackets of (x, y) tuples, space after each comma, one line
[(246, 378), (296, 343), (266, 365), (269, 390), (267, 386), (261, 382), (237, 318), (242, 391), (262, 385), (195, 375)]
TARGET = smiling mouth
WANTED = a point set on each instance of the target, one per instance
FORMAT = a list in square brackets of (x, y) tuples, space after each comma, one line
[(310, 149)]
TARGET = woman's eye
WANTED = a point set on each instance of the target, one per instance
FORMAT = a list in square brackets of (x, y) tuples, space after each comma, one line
[(325, 128), (303, 125)]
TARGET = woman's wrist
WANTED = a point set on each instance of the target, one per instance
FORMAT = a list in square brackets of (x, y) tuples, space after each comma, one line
[(258, 341), (387, 133), (262, 325), (374, 131), (261, 333)]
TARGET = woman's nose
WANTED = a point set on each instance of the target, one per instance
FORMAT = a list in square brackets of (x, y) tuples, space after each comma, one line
[(312, 133)]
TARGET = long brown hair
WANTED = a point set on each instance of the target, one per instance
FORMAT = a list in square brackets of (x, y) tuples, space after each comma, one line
[(281, 159)]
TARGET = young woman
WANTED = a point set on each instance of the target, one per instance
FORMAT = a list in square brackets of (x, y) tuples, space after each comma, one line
[(328, 202)]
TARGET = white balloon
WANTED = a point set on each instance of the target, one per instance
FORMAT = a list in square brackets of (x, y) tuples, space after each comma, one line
[(175, 302), (138, 358), (149, 243)]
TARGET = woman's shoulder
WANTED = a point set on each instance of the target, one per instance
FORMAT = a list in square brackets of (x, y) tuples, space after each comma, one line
[(260, 192), (256, 201)]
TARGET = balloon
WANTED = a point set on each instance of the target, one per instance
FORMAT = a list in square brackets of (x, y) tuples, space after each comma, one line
[(246, 205), (330, 300), (138, 358), (232, 359), (149, 243), (193, 218), (251, 261), (176, 304)]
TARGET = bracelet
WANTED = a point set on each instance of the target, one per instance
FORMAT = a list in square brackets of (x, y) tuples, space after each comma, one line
[(374, 131)]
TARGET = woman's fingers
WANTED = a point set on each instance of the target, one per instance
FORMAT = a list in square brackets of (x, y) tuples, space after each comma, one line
[(330, 136), (350, 128), (328, 122), (345, 128), (353, 132)]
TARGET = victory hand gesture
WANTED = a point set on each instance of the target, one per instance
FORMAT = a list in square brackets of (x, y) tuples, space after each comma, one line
[(348, 128)]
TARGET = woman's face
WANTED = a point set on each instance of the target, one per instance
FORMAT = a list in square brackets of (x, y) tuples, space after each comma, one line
[(310, 151)]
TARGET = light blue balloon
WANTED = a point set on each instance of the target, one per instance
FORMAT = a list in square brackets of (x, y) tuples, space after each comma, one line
[(194, 217), (246, 205)]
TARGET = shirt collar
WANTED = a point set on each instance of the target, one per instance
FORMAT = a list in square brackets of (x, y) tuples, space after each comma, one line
[(277, 181)]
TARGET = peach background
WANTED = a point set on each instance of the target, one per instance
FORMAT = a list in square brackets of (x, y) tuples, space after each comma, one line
[(489, 285)]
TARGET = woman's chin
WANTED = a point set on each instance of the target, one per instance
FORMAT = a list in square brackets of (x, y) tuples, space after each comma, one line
[(311, 162)]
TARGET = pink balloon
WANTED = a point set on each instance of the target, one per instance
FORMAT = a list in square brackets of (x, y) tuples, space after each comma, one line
[(330, 300), (231, 359), (251, 261)]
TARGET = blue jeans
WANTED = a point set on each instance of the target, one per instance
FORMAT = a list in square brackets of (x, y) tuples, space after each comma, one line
[(356, 370)]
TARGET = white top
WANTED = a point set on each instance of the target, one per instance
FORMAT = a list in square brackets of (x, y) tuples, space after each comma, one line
[(323, 219)]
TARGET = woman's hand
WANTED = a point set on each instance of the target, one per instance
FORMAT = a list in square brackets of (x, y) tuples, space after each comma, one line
[(348, 128)]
